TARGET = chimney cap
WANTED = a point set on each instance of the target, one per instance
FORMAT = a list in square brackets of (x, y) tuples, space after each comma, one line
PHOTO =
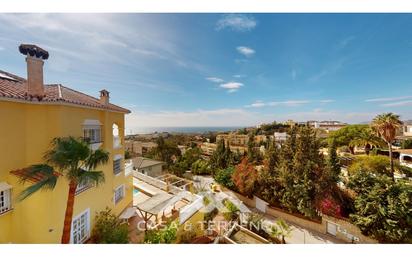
[(104, 92), (33, 50)]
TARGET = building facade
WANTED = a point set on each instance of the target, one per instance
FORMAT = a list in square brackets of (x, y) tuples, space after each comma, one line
[(32, 114)]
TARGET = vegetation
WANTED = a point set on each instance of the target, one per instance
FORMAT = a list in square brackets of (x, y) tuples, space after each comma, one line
[(245, 177), (222, 157), (375, 164), (224, 177), (201, 167), (166, 151), (407, 144), (383, 208), (281, 229), (386, 126), (231, 212), (165, 235), (350, 136), (185, 162), (109, 230), (127, 155), (70, 158)]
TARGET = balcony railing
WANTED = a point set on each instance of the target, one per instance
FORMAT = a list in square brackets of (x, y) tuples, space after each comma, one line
[(128, 168)]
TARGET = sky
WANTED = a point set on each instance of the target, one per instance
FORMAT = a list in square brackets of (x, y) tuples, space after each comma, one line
[(225, 69)]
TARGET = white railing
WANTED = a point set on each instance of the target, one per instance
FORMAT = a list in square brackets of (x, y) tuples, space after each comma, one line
[(128, 168), (116, 142)]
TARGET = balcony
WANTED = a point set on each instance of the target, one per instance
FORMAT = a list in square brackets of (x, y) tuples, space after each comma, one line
[(128, 168), (93, 143), (117, 143)]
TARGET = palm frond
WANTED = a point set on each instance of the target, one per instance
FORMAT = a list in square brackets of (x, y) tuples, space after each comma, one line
[(96, 158), (93, 177), (67, 152), (48, 181)]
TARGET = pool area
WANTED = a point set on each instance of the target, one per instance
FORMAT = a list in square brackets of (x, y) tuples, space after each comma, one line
[(135, 191)]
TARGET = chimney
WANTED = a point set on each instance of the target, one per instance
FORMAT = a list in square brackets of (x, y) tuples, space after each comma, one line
[(35, 56), (104, 97)]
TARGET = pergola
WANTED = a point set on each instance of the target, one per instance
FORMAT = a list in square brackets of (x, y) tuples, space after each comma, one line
[(158, 203), (172, 180)]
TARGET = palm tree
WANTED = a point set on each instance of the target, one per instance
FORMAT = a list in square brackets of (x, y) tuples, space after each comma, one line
[(73, 159), (367, 139), (281, 229), (386, 125)]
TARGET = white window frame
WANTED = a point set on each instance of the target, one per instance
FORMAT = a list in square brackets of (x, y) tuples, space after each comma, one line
[(5, 198), (93, 133), (117, 157), (123, 194), (86, 214), (81, 187)]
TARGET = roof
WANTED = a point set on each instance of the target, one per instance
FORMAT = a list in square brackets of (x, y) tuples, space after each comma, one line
[(14, 87), (141, 162)]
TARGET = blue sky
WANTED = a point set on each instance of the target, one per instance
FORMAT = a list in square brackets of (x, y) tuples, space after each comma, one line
[(225, 69)]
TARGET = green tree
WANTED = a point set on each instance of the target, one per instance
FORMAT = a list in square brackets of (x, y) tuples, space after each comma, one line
[(367, 139), (222, 157), (201, 167), (70, 158), (347, 136), (383, 208), (164, 151), (386, 125), (407, 144), (109, 230), (224, 177)]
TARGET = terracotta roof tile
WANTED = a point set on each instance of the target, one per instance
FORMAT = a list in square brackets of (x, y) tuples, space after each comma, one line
[(15, 87)]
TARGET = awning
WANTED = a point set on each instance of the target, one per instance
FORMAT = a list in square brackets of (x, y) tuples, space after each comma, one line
[(128, 213), (4, 186), (156, 203)]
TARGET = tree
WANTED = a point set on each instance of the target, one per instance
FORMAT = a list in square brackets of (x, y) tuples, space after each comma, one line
[(333, 162), (224, 177), (383, 208), (347, 135), (367, 139), (73, 159), (245, 177), (407, 144), (164, 151), (386, 125), (281, 229), (109, 230), (375, 164), (222, 157), (201, 167)]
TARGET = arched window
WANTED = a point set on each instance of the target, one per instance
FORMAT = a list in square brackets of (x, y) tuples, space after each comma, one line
[(116, 137)]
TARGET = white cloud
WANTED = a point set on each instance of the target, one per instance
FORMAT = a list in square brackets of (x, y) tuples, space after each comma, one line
[(344, 42), (246, 51), (388, 99), (327, 101), (401, 103), (288, 103), (215, 79), (236, 22), (1, 48), (239, 76), (231, 86)]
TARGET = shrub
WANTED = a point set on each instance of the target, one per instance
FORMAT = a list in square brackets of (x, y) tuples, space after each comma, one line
[(165, 235), (231, 212), (407, 144), (108, 229), (201, 167), (224, 177)]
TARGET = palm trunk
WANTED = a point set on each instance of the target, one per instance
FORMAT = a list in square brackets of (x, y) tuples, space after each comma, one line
[(351, 149), (391, 161), (367, 149), (69, 213)]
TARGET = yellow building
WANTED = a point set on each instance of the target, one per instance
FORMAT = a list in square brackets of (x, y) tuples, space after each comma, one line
[(31, 115)]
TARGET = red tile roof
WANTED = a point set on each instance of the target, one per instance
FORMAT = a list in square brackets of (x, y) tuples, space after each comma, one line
[(15, 87)]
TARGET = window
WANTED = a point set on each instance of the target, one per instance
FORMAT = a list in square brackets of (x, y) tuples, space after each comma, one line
[(81, 227), (119, 194), (92, 135), (5, 197), (116, 136), (83, 186), (117, 166)]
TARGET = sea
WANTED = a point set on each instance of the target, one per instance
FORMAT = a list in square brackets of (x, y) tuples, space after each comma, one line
[(187, 130)]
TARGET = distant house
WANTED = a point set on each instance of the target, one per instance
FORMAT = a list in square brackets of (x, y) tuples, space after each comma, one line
[(148, 166), (138, 147), (280, 136)]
